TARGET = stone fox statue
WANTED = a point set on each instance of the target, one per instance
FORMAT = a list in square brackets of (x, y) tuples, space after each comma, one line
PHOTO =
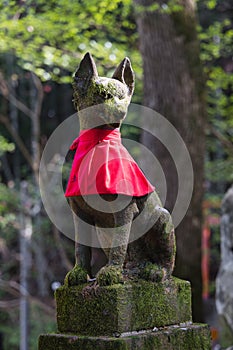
[(103, 172)]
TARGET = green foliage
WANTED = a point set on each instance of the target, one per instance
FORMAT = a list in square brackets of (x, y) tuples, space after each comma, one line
[(211, 4), (9, 226), (50, 37), (167, 7), (216, 35), (5, 146), (8, 209)]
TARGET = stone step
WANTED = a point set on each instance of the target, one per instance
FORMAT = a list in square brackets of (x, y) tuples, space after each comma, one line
[(189, 337), (109, 311)]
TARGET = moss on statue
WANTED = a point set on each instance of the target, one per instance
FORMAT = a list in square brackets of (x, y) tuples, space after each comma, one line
[(121, 308), (152, 272), (76, 276), (109, 275), (191, 337)]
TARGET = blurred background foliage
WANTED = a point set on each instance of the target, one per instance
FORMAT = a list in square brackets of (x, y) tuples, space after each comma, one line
[(41, 45)]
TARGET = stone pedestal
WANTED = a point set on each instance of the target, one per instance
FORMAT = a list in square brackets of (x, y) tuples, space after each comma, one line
[(191, 337), (135, 315), (109, 311)]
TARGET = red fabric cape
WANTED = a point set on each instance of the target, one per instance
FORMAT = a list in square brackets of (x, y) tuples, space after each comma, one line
[(102, 165)]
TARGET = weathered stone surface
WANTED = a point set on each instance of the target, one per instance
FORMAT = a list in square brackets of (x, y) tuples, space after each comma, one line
[(120, 308), (191, 337), (224, 281)]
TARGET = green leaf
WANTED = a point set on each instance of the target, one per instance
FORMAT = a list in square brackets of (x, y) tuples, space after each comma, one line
[(5, 146)]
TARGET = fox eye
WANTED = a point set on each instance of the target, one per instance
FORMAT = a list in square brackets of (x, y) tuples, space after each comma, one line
[(106, 95)]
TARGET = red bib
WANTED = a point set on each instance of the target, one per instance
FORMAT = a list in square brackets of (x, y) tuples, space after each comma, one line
[(102, 165)]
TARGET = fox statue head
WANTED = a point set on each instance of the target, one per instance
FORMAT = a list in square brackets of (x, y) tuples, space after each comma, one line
[(109, 96)]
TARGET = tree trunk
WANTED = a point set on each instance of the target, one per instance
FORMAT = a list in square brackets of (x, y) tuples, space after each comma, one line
[(174, 87)]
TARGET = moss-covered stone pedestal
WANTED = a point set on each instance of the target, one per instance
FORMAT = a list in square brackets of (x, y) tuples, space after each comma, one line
[(135, 315)]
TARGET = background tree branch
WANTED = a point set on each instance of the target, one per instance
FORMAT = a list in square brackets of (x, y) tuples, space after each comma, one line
[(19, 142)]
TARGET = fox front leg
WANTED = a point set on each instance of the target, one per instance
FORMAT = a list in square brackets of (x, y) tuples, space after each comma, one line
[(82, 269), (112, 272)]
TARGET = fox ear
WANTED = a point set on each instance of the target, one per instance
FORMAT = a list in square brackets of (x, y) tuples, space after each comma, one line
[(86, 71), (125, 74)]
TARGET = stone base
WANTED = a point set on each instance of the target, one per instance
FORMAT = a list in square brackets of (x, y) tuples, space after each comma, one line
[(133, 306), (189, 337)]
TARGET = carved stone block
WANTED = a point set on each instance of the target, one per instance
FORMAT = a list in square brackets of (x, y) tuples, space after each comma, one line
[(191, 337), (133, 306)]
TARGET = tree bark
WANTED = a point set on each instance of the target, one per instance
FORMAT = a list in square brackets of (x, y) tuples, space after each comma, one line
[(174, 87)]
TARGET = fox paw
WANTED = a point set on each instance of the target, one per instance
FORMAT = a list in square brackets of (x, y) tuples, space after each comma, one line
[(76, 276), (109, 275)]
